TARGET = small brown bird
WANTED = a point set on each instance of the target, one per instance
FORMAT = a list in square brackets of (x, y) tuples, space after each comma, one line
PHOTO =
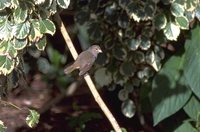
[(85, 60)]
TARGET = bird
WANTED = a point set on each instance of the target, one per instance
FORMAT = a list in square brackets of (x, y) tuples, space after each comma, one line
[(85, 60)]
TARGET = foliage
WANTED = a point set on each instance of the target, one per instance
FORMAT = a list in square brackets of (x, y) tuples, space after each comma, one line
[(176, 81), (33, 118), (131, 33), (23, 24), (2, 127)]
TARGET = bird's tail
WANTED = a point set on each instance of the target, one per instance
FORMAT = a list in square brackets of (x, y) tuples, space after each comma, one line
[(69, 69)]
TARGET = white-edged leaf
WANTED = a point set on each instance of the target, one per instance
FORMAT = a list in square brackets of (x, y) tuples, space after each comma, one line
[(182, 22), (33, 118), (63, 3), (6, 48), (171, 31), (6, 64), (19, 43), (177, 9), (5, 29), (20, 14), (41, 44), (22, 30), (47, 26), (4, 4), (103, 77)]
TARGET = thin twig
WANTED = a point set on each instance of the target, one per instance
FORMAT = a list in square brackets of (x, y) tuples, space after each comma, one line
[(10, 104), (87, 78)]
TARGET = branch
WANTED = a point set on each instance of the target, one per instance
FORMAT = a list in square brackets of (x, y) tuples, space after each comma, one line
[(87, 78)]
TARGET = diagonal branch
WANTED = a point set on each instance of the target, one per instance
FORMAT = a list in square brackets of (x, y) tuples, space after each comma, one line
[(87, 78)]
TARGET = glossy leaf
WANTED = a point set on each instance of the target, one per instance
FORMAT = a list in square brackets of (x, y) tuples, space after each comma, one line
[(182, 22), (14, 4), (2, 127), (185, 127), (170, 91), (6, 65), (41, 44), (123, 94), (192, 108), (119, 53), (21, 31), (171, 31), (20, 14), (190, 5), (47, 26), (133, 44), (127, 69), (128, 108), (4, 4), (6, 48), (63, 3), (177, 9), (33, 118), (5, 29), (103, 77), (160, 21), (197, 12), (19, 44), (192, 61), (35, 31)]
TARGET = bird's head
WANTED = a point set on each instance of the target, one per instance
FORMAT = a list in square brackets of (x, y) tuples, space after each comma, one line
[(95, 50)]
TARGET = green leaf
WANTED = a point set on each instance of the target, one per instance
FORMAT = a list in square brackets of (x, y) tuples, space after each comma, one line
[(94, 31), (63, 3), (4, 4), (33, 118), (41, 44), (21, 31), (192, 61), (127, 69), (103, 77), (133, 44), (19, 43), (5, 29), (192, 108), (170, 91), (128, 108), (185, 127), (14, 4), (2, 127), (197, 12), (35, 31), (177, 9), (119, 53), (6, 65), (47, 26), (182, 22), (190, 5), (6, 48), (171, 31), (20, 14), (160, 21)]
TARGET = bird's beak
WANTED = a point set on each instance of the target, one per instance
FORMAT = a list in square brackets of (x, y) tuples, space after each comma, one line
[(100, 51)]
